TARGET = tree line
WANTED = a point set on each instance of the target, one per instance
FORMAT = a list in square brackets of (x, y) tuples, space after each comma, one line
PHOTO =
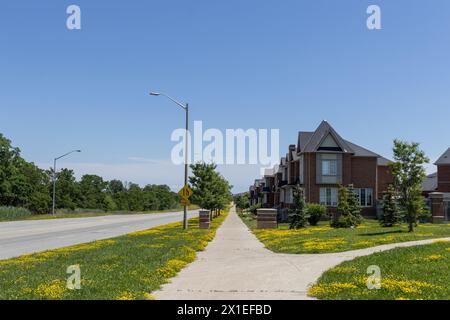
[(23, 184)]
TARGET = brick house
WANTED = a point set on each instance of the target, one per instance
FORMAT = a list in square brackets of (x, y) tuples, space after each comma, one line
[(436, 187), (439, 181), (255, 192), (322, 161)]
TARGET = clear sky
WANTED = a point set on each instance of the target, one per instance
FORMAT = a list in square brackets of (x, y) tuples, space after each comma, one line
[(240, 64)]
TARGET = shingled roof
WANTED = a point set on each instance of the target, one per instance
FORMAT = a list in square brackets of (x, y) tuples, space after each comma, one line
[(316, 138), (430, 183), (310, 141), (444, 159)]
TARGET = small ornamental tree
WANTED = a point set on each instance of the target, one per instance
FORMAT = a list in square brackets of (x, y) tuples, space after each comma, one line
[(298, 215), (354, 205), (391, 211), (211, 190), (348, 210), (409, 173)]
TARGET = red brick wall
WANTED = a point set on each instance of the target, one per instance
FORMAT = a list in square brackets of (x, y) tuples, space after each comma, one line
[(311, 193), (444, 178), (385, 178), (364, 172), (364, 175), (347, 169), (359, 171)]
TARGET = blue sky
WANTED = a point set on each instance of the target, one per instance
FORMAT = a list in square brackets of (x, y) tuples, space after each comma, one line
[(240, 64)]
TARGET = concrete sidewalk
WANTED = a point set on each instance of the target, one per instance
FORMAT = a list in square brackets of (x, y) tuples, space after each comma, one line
[(236, 265)]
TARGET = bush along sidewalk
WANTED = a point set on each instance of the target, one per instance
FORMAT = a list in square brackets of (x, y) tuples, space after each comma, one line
[(125, 268)]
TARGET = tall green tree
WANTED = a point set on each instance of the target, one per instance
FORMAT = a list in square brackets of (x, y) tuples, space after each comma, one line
[(211, 190), (391, 211), (68, 194), (135, 197), (202, 181), (92, 189), (298, 215), (409, 172), (22, 184)]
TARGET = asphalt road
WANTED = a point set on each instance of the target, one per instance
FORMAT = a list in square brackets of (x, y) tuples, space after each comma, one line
[(21, 237)]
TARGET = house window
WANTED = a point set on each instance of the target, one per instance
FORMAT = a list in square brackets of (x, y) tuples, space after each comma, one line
[(329, 167), (328, 196), (365, 196), (289, 196)]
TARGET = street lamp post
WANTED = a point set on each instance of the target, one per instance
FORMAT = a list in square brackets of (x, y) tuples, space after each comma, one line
[(186, 109), (54, 177)]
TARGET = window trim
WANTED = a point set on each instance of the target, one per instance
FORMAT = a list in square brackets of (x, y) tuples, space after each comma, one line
[(330, 194), (331, 167), (368, 194)]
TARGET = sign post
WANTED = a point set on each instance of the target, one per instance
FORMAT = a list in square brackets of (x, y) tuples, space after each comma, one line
[(185, 193)]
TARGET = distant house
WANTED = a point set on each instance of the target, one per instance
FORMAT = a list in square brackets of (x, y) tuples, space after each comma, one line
[(439, 181), (322, 161), (436, 187)]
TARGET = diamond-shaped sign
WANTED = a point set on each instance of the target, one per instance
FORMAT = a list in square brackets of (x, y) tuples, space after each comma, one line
[(185, 192)]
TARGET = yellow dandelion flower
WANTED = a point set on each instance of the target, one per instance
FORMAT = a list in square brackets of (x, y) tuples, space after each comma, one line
[(53, 290)]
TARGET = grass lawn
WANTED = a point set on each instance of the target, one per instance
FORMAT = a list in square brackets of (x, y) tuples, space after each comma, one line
[(420, 272), (126, 267), (89, 214), (324, 239)]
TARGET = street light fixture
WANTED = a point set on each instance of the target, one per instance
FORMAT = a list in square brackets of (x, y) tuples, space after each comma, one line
[(54, 176), (186, 109)]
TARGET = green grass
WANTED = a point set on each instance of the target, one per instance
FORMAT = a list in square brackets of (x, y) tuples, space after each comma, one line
[(420, 272), (324, 239), (79, 213), (14, 213), (126, 267)]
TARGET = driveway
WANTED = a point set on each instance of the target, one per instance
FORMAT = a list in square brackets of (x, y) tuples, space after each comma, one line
[(236, 265), (21, 237)]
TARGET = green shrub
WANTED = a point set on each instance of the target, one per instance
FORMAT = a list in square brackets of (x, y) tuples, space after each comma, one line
[(14, 212), (315, 212), (254, 207)]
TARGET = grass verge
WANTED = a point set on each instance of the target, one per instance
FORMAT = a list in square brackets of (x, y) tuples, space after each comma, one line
[(420, 272), (324, 239), (124, 268)]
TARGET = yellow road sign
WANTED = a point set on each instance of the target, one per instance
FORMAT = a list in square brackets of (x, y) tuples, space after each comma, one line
[(185, 192), (185, 202)]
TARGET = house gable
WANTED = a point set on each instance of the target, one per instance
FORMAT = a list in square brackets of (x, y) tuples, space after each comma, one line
[(325, 134), (329, 144)]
